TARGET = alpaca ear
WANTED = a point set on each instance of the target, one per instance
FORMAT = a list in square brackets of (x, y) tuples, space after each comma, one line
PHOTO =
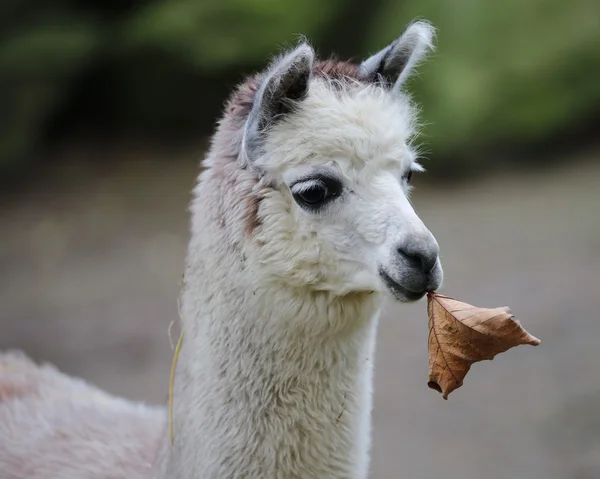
[(395, 63), (285, 84)]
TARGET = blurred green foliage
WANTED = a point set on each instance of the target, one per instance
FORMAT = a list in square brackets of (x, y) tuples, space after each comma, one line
[(215, 34), (37, 65), (505, 73)]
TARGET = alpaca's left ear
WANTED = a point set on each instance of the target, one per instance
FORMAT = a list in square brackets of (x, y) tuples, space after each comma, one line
[(395, 63)]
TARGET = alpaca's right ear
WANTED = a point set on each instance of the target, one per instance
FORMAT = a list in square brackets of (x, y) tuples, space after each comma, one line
[(285, 83)]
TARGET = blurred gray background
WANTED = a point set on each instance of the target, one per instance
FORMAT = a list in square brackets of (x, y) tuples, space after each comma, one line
[(106, 110)]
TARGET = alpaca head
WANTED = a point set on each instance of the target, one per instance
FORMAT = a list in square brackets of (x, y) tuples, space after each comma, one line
[(329, 146)]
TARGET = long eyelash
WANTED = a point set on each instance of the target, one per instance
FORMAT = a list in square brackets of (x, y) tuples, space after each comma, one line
[(302, 186), (317, 174), (333, 184)]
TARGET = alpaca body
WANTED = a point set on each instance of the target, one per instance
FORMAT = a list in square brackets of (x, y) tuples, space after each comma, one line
[(59, 427), (300, 225)]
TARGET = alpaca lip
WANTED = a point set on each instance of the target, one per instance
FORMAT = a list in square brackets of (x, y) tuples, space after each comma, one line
[(400, 292)]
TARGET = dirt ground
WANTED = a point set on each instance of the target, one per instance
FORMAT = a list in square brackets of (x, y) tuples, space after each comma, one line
[(91, 258)]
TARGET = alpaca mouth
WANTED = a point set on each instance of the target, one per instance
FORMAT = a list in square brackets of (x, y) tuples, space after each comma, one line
[(401, 293)]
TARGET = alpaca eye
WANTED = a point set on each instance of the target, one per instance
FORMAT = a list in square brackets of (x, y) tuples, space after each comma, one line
[(408, 176), (313, 195)]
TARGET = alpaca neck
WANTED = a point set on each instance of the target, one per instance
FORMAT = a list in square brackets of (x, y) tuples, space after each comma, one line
[(273, 379), (265, 401)]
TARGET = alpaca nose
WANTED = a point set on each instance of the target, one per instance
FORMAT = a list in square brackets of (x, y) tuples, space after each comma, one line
[(421, 255)]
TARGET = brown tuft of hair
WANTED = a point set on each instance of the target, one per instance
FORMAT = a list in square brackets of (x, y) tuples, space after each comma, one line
[(241, 100), (251, 220), (339, 70)]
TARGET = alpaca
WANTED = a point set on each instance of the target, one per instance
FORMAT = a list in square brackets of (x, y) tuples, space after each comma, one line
[(300, 227)]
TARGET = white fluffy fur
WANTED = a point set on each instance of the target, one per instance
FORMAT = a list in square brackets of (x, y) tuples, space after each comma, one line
[(275, 373), (277, 360), (54, 426)]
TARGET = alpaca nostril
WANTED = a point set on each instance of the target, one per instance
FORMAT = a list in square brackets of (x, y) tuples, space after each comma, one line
[(425, 261), (414, 261)]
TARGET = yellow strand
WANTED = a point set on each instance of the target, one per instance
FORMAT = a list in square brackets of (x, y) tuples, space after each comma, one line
[(171, 382)]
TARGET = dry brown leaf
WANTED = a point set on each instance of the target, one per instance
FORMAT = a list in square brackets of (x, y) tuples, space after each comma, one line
[(461, 334)]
